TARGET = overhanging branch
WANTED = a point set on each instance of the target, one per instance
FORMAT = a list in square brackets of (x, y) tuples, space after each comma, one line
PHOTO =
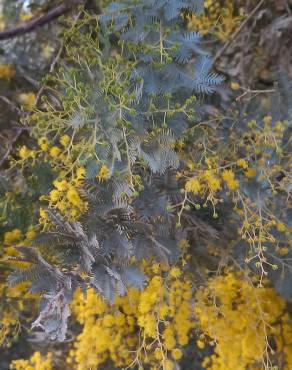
[(39, 21)]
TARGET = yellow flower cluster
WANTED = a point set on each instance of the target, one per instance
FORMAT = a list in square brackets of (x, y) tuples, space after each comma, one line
[(148, 327), (208, 182), (213, 179), (64, 159), (262, 135), (27, 99), (57, 155), (13, 303), (103, 173), (229, 177), (241, 321), (25, 152), (220, 18), (15, 237), (7, 71), (108, 333), (36, 362), (65, 197), (12, 236), (193, 185), (9, 324), (151, 327)]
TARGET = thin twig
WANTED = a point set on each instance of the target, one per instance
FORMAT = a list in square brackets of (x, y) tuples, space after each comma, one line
[(256, 92), (13, 106), (55, 61), (10, 146), (52, 66), (243, 24)]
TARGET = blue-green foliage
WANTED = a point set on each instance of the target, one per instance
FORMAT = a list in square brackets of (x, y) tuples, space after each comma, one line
[(140, 95), (170, 63)]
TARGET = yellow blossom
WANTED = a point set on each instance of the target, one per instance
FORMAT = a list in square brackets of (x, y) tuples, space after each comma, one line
[(168, 365), (193, 185), (35, 362), (200, 344), (65, 140), (267, 120), (54, 195), (176, 353), (108, 321), (235, 85), (175, 272), (158, 354), (156, 268), (279, 127), (43, 213), (242, 163), (214, 183), (27, 99), (229, 177), (80, 173), (183, 244), (252, 123), (7, 71), (283, 251), (163, 310), (55, 151), (250, 172), (47, 51), (281, 226), (24, 152), (73, 196), (30, 234), (103, 173), (238, 298), (61, 184), (43, 143), (12, 236)]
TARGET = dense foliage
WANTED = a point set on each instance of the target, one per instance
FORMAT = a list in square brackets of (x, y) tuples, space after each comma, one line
[(147, 214)]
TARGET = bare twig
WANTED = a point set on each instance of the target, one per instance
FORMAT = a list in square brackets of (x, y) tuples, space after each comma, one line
[(13, 106), (52, 66), (237, 32), (40, 20), (255, 92), (10, 146)]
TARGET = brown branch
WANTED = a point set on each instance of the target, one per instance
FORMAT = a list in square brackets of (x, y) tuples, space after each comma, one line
[(40, 20), (237, 32)]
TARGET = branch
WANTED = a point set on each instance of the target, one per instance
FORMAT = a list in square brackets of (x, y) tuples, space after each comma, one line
[(40, 20)]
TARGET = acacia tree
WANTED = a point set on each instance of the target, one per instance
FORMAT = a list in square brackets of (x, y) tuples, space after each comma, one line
[(145, 197)]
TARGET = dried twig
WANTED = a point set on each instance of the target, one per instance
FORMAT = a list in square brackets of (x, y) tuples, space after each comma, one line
[(13, 106), (255, 92), (55, 61), (10, 146), (52, 66)]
